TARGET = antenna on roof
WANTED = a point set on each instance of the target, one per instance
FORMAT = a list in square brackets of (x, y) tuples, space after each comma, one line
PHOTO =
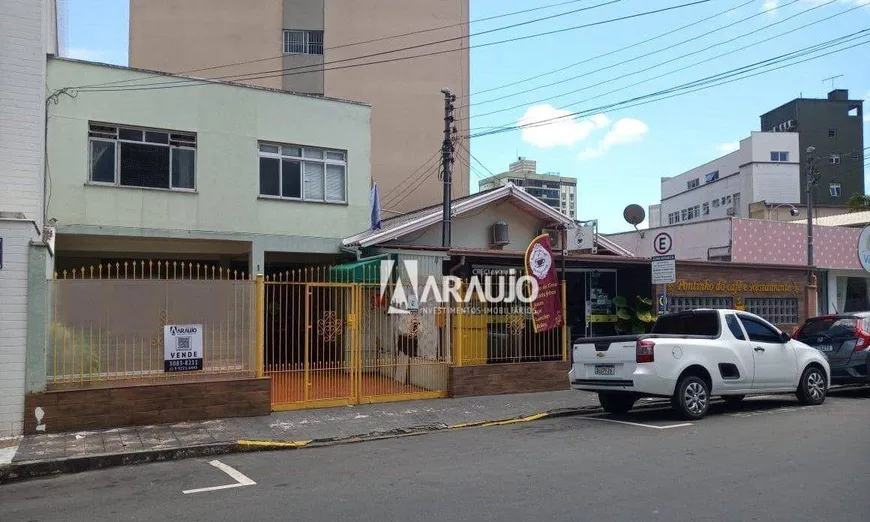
[(832, 78)]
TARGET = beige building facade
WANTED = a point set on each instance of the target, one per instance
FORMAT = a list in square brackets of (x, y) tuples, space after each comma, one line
[(312, 46)]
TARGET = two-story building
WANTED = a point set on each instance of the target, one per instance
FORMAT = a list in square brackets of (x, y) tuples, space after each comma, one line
[(247, 178), (766, 167)]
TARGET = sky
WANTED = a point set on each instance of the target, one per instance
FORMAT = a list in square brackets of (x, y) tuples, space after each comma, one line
[(619, 155)]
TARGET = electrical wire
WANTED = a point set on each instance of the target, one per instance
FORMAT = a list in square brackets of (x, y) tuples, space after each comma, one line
[(292, 71), (609, 53), (351, 44), (420, 171), (651, 53), (700, 84)]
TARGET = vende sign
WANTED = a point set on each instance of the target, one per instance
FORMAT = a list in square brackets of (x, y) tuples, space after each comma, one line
[(864, 248), (547, 305), (182, 347)]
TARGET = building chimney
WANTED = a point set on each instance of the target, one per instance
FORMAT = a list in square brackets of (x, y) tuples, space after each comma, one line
[(839, 95)]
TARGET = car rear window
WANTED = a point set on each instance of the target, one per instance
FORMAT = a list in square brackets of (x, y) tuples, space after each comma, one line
[(694, 323), (829, 326)]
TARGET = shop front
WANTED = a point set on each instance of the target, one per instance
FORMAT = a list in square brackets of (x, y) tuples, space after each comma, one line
[(847, 291), (775, 293)]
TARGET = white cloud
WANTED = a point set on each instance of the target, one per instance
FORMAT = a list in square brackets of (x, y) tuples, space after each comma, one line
[(728, 147), (563, 131), (624, 130), (769, 5), (79, 53)]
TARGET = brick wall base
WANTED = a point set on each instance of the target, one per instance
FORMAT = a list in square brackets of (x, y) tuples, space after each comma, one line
[(102, 408), (495, 379)]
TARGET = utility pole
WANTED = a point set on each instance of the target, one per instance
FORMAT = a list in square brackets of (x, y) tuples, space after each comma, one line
[(812, 178), (447, 166)]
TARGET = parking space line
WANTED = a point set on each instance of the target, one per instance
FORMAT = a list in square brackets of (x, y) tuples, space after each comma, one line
[(683, 425), (241, 480)]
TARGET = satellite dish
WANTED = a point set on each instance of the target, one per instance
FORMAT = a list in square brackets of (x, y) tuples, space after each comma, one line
[(634, 215)]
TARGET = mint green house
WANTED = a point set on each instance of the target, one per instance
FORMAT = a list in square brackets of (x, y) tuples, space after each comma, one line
[(144, 165)]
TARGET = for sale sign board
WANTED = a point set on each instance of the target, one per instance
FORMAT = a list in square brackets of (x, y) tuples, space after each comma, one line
[(182, 347)]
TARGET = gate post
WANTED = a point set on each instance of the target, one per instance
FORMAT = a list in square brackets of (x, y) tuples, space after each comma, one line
[(261, 322)]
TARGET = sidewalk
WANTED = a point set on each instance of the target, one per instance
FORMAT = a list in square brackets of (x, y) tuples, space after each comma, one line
[(39, 455)]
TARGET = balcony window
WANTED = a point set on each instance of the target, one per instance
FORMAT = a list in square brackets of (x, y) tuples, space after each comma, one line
[(145, 158)]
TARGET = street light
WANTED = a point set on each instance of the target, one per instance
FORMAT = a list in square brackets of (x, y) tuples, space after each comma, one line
[(794, 211)]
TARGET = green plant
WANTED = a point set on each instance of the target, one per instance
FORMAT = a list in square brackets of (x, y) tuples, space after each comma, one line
[(858, 202), (636, 320)]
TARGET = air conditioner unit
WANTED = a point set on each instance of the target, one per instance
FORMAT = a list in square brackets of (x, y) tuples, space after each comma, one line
[(555, 237), (500, 234), (731, 211)]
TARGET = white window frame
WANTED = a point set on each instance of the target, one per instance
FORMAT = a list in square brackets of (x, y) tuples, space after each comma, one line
[(307, 44), (693, 183), (836, 190), (280, 156), (715, 202), (705, 209), (118, 150), (834, 159), (779, 155)]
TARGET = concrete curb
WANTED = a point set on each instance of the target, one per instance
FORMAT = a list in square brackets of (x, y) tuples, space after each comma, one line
[(19, 471)]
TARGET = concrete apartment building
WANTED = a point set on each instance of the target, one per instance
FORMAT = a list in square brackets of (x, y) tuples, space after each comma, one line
[(163, 174), (556, 191), (835, 127), (28, 32), (766, 167), (290, 44)]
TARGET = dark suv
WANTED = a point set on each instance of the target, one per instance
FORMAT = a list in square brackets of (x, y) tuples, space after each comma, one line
[(845, 341)]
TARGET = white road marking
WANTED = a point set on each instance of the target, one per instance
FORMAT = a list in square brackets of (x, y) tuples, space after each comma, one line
[(240, 479), (683, 425)]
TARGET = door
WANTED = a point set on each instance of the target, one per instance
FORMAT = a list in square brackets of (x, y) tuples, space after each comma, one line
[(775, 363), (739, 372)]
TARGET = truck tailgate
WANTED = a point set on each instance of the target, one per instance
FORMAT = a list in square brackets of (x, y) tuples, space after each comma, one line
[(604, 362)]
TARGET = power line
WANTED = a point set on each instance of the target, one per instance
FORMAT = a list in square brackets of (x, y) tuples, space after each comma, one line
[(689, 66), (657, 51), (596, 57), (422, 170), (351, 44), (701, 84), (414, 187), (702, 81), (181, 82), (312, 68), (470, 155)]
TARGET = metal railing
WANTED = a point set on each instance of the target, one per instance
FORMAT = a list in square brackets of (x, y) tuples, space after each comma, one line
[(107, 321)]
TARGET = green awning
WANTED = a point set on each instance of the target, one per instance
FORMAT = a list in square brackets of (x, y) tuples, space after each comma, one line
[(363, 271)]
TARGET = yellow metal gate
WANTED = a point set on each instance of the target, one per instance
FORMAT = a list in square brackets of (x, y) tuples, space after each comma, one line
[(333, 344)]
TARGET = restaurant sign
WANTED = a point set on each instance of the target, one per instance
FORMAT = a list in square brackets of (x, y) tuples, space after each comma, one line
[(738, 286)]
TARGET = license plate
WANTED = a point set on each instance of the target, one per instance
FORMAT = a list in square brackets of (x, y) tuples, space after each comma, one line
[(604, 369), (825, 348)]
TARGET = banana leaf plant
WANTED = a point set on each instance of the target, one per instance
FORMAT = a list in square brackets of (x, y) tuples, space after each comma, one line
[(637, 320)]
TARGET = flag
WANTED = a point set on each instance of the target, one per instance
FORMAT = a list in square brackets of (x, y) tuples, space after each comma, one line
[(376, 208), (547, 306)]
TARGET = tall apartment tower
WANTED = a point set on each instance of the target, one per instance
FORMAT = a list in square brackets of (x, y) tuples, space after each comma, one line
[(835, 127), (309, 46), (554, 190)]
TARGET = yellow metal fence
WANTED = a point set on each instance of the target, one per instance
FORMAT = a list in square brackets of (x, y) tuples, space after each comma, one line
[(330, 341), (107, 321)]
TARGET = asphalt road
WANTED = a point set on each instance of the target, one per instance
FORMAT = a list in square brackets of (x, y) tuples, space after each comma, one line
[(769, 460)]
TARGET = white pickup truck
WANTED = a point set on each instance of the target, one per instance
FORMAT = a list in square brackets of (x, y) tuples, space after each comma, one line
[(691, 356)]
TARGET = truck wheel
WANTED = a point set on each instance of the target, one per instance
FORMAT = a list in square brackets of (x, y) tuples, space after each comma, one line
[(615, 402), (733, 400), (813, 387), (691, 399)]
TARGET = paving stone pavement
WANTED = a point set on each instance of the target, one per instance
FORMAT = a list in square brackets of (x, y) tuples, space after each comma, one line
[(299, 425)]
